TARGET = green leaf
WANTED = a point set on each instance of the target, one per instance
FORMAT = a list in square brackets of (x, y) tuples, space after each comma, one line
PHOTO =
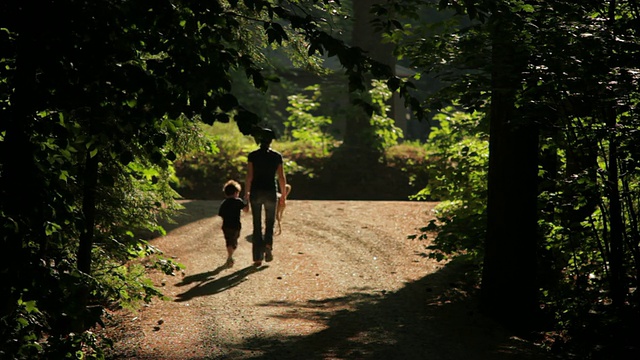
[(64, 175), (30, 306), (528, 8), (50, 229)]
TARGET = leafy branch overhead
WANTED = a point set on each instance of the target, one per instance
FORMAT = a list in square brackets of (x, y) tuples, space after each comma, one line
[(320, 42), (97, 98)]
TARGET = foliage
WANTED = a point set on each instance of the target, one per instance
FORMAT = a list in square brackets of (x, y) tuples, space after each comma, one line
[(386, 133), (302, 125), (578, 218), (202, 172), (459, 152), (569, 74), (382, 132), (459, 144), (411, 157), (306, 145), (23, 325), (94, 114), (222, 156), (309, 169)]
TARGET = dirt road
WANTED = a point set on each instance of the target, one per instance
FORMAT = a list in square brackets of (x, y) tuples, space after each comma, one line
[(346, 283)]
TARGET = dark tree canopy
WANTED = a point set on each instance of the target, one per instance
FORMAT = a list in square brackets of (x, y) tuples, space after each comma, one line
[(96, 100), (558, 82)]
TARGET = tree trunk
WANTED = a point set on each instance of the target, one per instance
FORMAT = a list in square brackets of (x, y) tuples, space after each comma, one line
[(89, 212), (509, 286), (358, 126), (616, 281), (83, 320), (616, 258)]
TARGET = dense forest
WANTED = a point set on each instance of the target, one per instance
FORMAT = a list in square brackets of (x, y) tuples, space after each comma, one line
[(532, 154)]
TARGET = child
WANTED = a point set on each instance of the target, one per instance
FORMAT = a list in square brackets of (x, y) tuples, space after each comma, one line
[(230, 213)]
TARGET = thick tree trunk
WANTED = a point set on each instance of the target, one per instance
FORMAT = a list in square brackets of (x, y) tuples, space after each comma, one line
[(82, 319), (509, 286), (358, 127)]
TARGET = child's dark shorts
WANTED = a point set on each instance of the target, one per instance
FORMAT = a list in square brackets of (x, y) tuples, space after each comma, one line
[(231, 236)]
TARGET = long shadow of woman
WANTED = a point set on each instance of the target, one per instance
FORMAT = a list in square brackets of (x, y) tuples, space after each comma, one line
[(209, 285)]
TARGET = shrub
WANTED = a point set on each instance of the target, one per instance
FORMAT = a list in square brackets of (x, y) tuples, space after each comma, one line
[(459, 152)]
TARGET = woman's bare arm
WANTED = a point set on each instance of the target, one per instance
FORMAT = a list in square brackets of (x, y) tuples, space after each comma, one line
[(248, 180), (282, 183)]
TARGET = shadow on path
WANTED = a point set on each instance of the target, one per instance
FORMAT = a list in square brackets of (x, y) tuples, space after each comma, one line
[(194, 210), (202, 277), (432, 318), (209, 285)]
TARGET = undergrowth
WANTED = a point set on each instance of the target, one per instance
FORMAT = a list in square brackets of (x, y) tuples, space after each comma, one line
[(314, 172)]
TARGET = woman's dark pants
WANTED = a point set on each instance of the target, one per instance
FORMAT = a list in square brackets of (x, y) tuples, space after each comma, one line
[(268, 200)]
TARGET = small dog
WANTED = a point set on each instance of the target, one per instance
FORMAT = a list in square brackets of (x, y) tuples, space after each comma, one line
[(280, 209)]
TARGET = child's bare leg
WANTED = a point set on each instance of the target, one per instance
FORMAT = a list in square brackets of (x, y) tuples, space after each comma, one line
[(230, 251)]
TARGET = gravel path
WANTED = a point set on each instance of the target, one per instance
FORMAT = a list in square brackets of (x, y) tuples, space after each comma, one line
[(346, 283)]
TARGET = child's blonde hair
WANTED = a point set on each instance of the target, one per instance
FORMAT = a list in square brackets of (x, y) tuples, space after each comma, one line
[(231, 187)]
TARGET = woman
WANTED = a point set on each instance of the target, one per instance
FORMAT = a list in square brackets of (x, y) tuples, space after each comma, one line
[(264, 165)]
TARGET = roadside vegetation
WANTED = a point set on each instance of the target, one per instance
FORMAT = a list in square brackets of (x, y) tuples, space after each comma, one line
[(312, 165), (129, 105)]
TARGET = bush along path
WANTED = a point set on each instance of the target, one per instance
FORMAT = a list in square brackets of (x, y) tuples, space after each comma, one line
[(345, 283)]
